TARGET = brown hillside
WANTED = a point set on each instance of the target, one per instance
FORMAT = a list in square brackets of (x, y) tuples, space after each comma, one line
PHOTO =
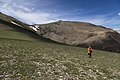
[(81, 34)]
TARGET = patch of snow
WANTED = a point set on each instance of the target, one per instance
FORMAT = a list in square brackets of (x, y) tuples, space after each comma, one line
[(35, 28), (15, 23)]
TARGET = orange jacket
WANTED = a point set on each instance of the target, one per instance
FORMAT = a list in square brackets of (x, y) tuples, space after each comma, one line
[(89, 50)]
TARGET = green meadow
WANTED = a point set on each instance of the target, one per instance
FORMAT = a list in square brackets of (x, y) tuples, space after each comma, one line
[(26, 56)]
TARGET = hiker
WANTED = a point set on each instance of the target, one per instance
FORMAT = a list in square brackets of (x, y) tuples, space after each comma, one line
[(90, 52)]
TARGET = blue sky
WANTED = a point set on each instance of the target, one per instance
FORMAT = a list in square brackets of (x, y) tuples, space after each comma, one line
[(99, 12)]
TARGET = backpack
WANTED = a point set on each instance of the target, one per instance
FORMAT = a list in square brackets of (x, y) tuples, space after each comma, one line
[(90, 49)]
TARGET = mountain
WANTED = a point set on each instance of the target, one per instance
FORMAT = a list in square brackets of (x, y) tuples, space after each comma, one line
[(12, 20), (80, 34), (11, 28)]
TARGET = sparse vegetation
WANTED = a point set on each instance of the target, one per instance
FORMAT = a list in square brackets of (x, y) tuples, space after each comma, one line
[(24, 60)]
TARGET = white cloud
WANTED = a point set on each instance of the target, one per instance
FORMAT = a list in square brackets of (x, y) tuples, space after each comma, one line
[(119, 14), (30, 16), (117, 29), (24, 13)]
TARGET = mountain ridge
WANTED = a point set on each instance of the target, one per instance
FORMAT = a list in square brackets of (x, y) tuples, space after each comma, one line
[(81, 34)]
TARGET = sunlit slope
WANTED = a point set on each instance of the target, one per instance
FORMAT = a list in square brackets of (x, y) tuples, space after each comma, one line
[(47, 61)]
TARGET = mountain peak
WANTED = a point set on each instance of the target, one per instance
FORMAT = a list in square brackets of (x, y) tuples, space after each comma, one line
[(81, 34)]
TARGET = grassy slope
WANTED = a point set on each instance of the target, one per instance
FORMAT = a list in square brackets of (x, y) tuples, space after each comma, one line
[(26, 60), (25, 57), (10, 31), (15, 35)]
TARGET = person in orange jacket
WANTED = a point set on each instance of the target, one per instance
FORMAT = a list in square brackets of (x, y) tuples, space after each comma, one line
[(90, 52)]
